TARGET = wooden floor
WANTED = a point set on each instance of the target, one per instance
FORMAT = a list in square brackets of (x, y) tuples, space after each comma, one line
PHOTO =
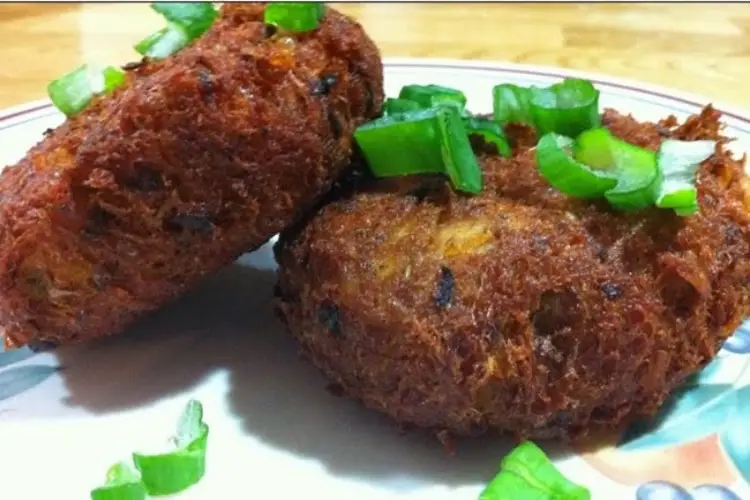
[(701, 48)]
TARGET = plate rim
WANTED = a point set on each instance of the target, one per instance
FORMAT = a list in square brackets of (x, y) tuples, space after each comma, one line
[(626, 84)]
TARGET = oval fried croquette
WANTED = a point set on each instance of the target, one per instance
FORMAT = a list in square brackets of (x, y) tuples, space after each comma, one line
[(520, 310), (197, 159)]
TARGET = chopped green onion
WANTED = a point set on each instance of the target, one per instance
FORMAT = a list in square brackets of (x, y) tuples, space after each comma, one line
[(511, 104), (635, 167), (417, 142), (193, 17), (601, 164), (295, 17), (458, 156), (172, 472), (402, 144), (555, 164), (491, 132), (164, 42), (123, 483), (528, 474), (428, 96), (678, 162), (395, 106), (74, 91), (566, 108)]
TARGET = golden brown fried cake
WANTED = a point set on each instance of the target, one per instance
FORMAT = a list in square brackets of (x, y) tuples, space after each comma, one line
[(520, 310), (199, 158)]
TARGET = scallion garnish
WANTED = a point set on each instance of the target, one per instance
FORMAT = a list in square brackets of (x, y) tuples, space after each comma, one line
[(510, 104), (164, 42), (490, 132), (635, 167), (598, 159), (402, 144), (169, 473), (193, 17), (123, 483), (555, 163), (678, 163), (294, 17), (526, 473), (73, 92), (185, 23), (430, 140), (394, 106), (459, 160), (567, 108), (428, 96)]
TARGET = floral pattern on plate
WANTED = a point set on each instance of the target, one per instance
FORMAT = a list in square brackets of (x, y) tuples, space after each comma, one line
[(698, 444)]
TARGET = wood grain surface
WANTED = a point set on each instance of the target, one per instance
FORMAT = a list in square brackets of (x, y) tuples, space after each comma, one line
[(700, 48)]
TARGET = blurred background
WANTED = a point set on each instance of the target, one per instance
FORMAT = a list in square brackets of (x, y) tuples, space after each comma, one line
[(700, 48)]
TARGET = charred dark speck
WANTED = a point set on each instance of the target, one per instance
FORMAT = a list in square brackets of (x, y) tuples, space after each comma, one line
[(612, 291), (324, 85), (146, 179), (194, 223), (444, 289), (270, 30), (207, 85), (328, 315), (48, 132), (97, 221), (337, 128), (134, 65)]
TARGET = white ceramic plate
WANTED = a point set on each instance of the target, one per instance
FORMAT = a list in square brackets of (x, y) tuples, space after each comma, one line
[(65, 416)]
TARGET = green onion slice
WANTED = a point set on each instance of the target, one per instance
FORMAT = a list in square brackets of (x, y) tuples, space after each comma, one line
[(295, 17), (491, 132), (510, 104), (418, 142), (428, 96), (567, 108), (601, 164), (123, 483), (635, 167), (193, 17), (458, 156), (395, 106), (555, 163), (74, 91), (528, 474), (172, 472), (164, 42), (678, 163)]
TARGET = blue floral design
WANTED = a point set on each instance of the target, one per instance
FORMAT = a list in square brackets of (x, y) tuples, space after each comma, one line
[(663, 490), (703, 406), (17, 379), (739, 343)]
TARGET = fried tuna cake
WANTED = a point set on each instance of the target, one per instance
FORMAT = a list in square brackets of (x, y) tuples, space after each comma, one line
[(520, 310)]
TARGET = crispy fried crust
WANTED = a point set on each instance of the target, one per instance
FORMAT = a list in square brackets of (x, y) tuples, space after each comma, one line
[(198, 159), (520, 310)]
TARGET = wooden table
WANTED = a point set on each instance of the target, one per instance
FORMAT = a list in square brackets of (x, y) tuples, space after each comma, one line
[(701, 48)]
